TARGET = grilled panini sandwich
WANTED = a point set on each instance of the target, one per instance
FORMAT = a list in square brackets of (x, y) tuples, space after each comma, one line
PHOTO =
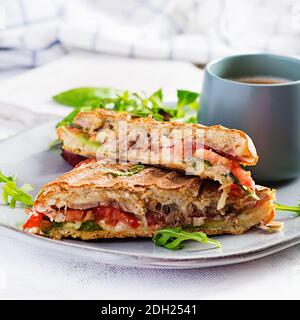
[(96, 201), (214, 152)]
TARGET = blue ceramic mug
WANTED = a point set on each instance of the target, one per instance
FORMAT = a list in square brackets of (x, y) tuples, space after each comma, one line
[(268, 113)]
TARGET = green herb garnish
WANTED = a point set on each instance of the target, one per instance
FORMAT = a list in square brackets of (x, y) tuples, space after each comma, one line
[(128, 173), (56, 225), (282, 207), (84, 96), (207, 163), (11, 194), (187, 106), (172, 238), (87, 99), (90, 226)]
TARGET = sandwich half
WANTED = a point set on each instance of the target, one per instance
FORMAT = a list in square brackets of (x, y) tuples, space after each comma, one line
[(96, 201), (214, 152)]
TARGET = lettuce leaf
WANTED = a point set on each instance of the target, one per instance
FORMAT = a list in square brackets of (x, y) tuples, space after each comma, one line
[(173, 238)]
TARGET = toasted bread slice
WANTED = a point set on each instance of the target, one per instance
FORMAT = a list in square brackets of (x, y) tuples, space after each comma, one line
[(208, 152), (231, 142), (123, 200)]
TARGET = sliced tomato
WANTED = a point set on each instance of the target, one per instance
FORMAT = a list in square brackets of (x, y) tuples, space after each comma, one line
[(73, 215), (243, 176), (215, 158), (33, 221), (235, 190), (131, 220), (112, 216)]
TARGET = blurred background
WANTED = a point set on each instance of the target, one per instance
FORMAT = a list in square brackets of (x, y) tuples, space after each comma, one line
[(134, 44), (34, 32)]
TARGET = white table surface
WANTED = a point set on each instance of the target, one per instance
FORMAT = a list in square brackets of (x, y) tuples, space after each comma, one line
[(28, 272)]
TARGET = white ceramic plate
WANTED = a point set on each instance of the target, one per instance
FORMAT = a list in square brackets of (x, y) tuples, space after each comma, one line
[(27, 156)]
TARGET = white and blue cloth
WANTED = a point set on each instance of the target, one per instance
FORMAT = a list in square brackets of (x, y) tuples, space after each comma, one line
[(33, 32)]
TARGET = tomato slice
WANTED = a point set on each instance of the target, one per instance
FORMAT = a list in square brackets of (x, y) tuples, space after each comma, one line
[(112, 216), (73, 215), (33, 221), (235, 190), (243, 176), (215, 158)]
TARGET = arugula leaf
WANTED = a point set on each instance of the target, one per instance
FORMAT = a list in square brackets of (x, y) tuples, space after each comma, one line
[(87, 99), (140, 105), (156, 99), (187, 105), (4, 178), (186, 98), (84, 96), (172, 238), (207, 163), (244, 188), (128, 173), (123, 101), (11, 194), (282, 207), (90, 226), (56, 225)]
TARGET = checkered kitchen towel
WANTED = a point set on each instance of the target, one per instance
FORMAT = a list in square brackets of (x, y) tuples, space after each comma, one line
[(33, 32)]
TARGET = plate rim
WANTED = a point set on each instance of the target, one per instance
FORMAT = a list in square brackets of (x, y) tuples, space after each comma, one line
[(146, 261)]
